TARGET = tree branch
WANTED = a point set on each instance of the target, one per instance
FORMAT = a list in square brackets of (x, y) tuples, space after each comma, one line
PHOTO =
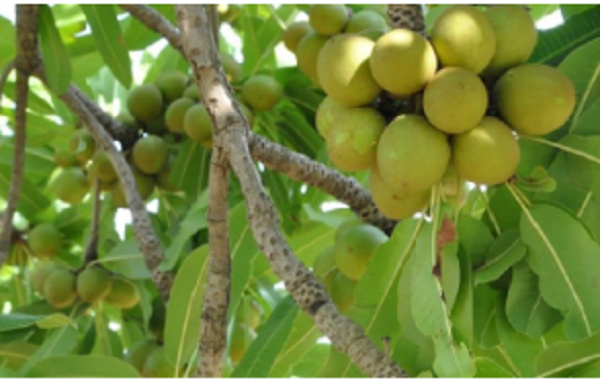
[(91, 249), (308, 292), (409, 16), (156, 22)]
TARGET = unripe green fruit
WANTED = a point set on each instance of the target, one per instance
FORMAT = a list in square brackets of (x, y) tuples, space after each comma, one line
[(70, 186), (464, 37), (64, 158), (516, 36), (412, 155), (396, 205), (40, 274), (59, 288), (261, 92), (150, 154), (197, 123), (82, 145), (241, 338), (171, 85), (123, 294), (535, 99), (345, 225), (343, 70), (355, 248), (232, 68), (324, 267), (487, 154), (192, 92), (405, 52), (139, 352), (93, 284), (455, 100), (342, 291), (294, 33), (145, 102), (163, 177), (175, 113), (307, 54), (365, 19), (156, 126), (157, 364), (143, 183), (328, 19), (326, 115), (44, 240), (352, 141), (102, 167)]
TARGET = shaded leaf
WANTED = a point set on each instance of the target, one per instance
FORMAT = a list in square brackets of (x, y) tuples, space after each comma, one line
[(564, 356), (488, 368), (506, 250), (56, 320), (126, 259), (59, 342), (82, 366), (14, 321), (474, 236)]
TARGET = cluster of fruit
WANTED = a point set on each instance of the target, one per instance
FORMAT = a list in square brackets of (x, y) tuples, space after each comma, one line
[(342, 265), (463, 97)]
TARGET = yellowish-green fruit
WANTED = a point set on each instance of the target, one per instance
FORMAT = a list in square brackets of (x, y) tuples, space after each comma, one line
[(373, 34), (355, 248), (156, 126), (328, 19), (150, 154), (232, 68), (163, 178), (535, 99), (175, 113), (343, 70), (197, 123), (241, 337), (192, 92), (93, 284), (487, 154), (405, 52), (352, 141), (70, 186), (307, 54), (44, 240), (59, 288), (324, 266), (393, 204), (455, 100), (139, 352), (145, 102), (64, 158), (464, 37), (40, 274), (102, 167), (123, 293), (261, 92), (294, 33), (249, 313), (364, 20), (345, 225), (158, 365), (143, 183), (342, 291), (326, 115), (82, 145), (516, 36), (171, 84), (412, 155)]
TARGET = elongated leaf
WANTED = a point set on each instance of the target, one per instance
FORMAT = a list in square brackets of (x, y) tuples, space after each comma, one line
[(474, 236), (14, 321), (484, 315), (182, 327), (82, 366), (567, 260), (56, 320), (565, 356), (506, 250), (54, 53), (31, 200), (338, 362), (190, 170), (60, 342), (126, 259), (14, 354), (109, 40), (488, 368)]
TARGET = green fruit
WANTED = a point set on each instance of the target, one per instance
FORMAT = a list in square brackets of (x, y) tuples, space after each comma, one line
[(40, 274), (102, 167), (232, 68), (393, 204), (145, 102), (487, 154), (343, 70), (192, 92), (82, 145), (197, 123), (405, 52), (307, 54), (342, 291), (455, 100), (150, 154), (139, 352), (412, 155), (123, 293), (366, 19), (44, 240), (158, 365), (175, 113), (64, 158), (345, 225), (261, 92), (156, 126), (59, 288), (144, 185), (535, 99), (241, 337), (516, 36), (463, 36), (70, 186), (326, 115), (163, 178), (324, 263), (373, 34), (171, 84), (352, 141), (294, 33), (328, 19), (93, 284), (355, 248)]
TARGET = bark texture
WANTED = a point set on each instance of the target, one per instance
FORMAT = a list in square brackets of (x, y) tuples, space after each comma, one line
[(409, 16)]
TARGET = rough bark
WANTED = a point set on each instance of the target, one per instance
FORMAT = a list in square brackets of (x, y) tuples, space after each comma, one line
[(409, 16), (230, 125)]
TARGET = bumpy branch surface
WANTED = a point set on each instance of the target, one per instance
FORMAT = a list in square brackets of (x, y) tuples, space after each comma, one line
[(299, 281), (409, 16), (156, 22)]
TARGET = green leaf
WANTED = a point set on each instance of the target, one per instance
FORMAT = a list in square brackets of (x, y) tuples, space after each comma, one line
[(14, 321), (59, 342), (505, 251), (190, 170), (82, 366), (587, 122), (55, 320), (338, 362), (484, 316), (54, 53), (16, 353), (474, 236), (182, 327), (109, 40), (564, 356), (567, 260), (126, 259), (488, 368), (569, 10), (7, 43)]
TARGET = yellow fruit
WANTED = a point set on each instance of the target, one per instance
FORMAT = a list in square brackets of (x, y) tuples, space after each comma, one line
[(64, 157), (138, 353), (463, 37), (307, 54), (365, 19), (40, 274), (355, 248), (93, 284), (241, 338), (352, 141), (535, 99), (343, 70), (516, 36), (70, 186), (102, 167), (261, 92), (342, 291), (402, 62), (175, 113), (123, 293), (373, 34), (158, 365), (455, 100), (59, 288), (44, 240), (326, 115), (171, 84), (396, 205), (412, 155), (82, 145), (144, 185), (328, 19), (150, 154), (487, 154), (197, 123), (294, 33)]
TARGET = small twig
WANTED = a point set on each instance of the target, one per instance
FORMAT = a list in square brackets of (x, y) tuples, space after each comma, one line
[(8, 68), (91, 250), (156, 22)]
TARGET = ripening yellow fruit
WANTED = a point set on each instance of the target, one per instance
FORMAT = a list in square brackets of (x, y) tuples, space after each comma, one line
[(342, 291), (364, 20), (294, 33), (261, 92), (176, 111), (355, 247), (59, 288), (328, 19), (70, 186), (123, 293), (307, 54), (326, 115), (396, 205), (171, 84), (93, 284), (102, 167)]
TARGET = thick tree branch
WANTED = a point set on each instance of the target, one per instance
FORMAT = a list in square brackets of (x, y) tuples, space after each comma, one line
[(156, 22), (409, 16), (308, 292)]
